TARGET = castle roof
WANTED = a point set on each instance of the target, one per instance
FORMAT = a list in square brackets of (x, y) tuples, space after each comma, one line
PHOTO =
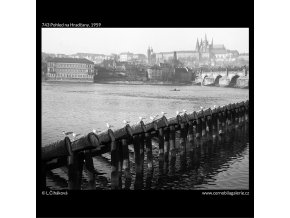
[(70, 60), (218, 46)]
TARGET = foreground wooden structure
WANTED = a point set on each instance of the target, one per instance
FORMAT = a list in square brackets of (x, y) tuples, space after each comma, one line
[(192, 127)]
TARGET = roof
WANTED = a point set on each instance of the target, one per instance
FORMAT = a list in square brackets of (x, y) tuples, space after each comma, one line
[(70, 60), (126, 53), (218, 46), (172, 52), (219, 51)]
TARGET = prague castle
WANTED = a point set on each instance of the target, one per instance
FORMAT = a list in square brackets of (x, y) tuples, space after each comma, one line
[(205, 53)]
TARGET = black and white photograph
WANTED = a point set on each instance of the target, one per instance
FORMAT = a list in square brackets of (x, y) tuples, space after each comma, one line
[(145, 109)]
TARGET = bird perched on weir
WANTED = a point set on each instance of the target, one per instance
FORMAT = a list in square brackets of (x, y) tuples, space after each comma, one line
[(66, 133), (163, 113), (95, 131), (126, 122), (142, 118), (153, 117), (108, 125)]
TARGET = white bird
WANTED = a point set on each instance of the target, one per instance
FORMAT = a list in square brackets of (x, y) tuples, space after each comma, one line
[(95, 131), (66, 133), (201, 108), (142, 118), (177, 112), (214, 106), (184, 111), (126, 122), (153, 117), (108, 125), (163, 113), (74, 135)]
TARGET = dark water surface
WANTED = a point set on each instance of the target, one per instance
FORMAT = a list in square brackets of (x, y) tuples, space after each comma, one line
[(223, 164)]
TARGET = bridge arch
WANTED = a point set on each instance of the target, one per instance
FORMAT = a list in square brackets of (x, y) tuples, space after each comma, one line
[(217, 80), (233, 81), (203, 78)]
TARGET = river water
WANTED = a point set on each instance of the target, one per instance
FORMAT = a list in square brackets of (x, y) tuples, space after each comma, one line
[(81, 107)]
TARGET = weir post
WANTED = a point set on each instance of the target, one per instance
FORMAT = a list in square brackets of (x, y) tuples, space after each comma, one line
[(136, 144), (198, 131), (219, 121), (190, 134), (223, 120), (142, 150), (214, 125), (236, 117), (120, 161), (182, 139), (172, 140), (166, 148), (161, 141), (209, 124), (194, 132), (90, 169), (247, 111), (126, 162), (75, 168), (114, 162), (149, 150), (229, 117), (203, 124)]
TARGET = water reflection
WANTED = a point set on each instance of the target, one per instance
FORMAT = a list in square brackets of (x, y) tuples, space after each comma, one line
[(198, 166)]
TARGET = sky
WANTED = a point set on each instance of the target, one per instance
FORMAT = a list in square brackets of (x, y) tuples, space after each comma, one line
[(136, 40)]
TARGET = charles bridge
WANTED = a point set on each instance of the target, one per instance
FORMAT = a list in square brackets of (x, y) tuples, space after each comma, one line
[(225, 78)]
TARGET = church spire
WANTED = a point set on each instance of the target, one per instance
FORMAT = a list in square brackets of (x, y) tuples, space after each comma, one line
[(197, 45)]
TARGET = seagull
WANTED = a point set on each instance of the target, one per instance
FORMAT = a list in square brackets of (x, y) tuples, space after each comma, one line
[(108, 125), (142, 118), (214, 106), (163, 113), (74, 135), (201, 108), (95, 131), (184, 111), (154, 117), (177, 112), (66, 133), (126, 122)]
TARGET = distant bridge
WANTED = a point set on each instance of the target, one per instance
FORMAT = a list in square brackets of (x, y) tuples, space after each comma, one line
[(224, 78)]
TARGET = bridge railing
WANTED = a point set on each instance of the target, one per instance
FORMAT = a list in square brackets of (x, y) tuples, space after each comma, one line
[(192, 126)]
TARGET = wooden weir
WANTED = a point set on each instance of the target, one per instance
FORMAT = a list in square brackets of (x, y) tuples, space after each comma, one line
[(193, 127)]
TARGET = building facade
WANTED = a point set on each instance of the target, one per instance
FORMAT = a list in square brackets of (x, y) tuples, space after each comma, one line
[(70, 69)]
